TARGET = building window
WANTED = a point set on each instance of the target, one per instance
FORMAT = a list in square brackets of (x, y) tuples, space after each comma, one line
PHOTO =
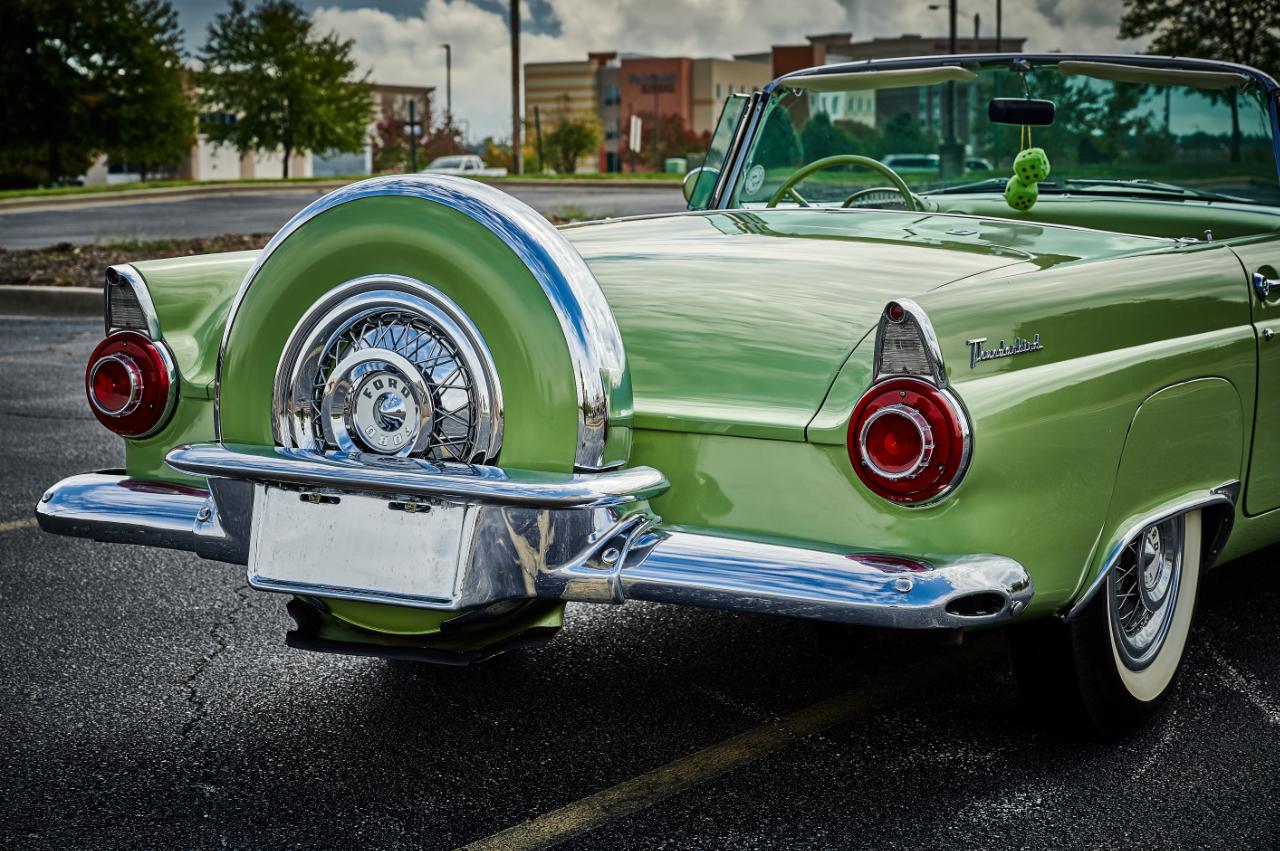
[(719, 91), (612, 129), (611, 95)]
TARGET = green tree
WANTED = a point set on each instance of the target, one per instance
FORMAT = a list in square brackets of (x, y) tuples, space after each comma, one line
[(287, 89), (150, 118), (903, 134), (572, 138), (1242, 31), (79, 78), (820, 138), (778, 145)]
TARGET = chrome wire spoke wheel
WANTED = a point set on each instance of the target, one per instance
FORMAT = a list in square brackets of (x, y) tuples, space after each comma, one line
[(1142, 592), (392, 367)]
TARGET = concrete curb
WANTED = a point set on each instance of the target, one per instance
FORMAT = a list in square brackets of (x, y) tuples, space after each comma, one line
[(181, 193), (61, 302)]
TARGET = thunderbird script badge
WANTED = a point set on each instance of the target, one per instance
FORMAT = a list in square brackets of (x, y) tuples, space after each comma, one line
[(977, 354)]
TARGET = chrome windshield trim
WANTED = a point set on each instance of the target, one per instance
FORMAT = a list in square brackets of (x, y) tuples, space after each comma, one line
[(415, 477), (123, 275), (590, 330), (981, 59), (1227, 495)]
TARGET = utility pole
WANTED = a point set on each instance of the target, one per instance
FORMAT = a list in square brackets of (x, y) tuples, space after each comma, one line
[(999, 23), (448, 82), (952, 151), (657, 141), (977, 28), (537, 135), (517, 160)]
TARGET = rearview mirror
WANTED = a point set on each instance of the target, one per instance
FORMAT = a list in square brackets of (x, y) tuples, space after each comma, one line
[(1033, 113)]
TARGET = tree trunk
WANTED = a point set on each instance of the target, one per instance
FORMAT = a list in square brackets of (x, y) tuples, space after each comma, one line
[(287, 152)]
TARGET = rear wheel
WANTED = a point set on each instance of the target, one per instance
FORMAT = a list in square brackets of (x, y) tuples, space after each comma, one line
[(1113, 666)]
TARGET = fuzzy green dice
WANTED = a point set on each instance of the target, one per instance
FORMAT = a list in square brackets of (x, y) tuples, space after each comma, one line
[(1031, 165), (1020, 196)]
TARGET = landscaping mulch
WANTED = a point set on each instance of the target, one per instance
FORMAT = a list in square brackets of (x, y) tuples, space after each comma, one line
[(67, 265)]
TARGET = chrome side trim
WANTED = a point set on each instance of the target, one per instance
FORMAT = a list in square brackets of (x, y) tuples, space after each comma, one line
[(1226, 494), (590, 330), (728, 573), (124, 275), (597, 554), (414, 477)]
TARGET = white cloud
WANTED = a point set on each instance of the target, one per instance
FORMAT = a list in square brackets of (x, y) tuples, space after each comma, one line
[(407, 49)]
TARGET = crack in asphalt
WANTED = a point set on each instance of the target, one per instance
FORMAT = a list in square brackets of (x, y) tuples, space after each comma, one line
[(58, 417), (222, 632)]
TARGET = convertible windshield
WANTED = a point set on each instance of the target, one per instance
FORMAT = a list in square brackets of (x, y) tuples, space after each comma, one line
[(1140, 132)]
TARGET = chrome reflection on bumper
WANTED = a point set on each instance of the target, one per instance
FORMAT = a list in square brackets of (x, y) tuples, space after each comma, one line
[(367, 472), (113, 508), (586, 538), (874, 590)]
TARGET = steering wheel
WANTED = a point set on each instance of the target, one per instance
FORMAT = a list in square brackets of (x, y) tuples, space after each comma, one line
[(788, 185)]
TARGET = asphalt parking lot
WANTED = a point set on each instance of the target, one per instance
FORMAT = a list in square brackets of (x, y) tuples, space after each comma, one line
[(213, 215), (147, 701)]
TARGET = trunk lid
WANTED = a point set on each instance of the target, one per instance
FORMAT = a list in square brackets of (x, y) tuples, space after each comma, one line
[(737, 322)]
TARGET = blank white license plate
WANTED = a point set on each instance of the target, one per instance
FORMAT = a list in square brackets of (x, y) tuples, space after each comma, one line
[(357, 547)]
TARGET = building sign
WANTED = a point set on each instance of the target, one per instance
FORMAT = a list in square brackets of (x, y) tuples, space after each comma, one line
[(654, 83)]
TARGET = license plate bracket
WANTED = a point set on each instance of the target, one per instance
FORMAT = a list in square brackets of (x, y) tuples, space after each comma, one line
[(359, 547)]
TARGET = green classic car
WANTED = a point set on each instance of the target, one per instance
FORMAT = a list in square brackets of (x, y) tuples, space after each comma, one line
[(1044, 400)]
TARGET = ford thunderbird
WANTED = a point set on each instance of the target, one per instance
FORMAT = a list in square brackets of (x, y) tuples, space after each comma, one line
[(1034, 387)]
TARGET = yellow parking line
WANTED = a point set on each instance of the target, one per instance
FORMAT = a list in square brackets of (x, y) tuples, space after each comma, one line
[(640, 792), (15, 525)]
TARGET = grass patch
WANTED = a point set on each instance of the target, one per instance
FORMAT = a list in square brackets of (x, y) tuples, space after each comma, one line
[(63, 191)]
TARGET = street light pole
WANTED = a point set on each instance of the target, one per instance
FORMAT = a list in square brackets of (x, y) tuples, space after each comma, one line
[(517, 158), (999, 22), (448, 82)]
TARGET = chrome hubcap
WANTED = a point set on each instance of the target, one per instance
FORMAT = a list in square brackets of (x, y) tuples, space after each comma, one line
[(1143, 592), (392, 371)]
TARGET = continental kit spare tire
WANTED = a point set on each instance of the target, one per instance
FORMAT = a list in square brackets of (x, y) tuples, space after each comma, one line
[(471, 294)]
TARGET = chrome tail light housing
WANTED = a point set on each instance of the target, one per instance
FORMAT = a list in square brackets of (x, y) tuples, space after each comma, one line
[(909, 436), (131, 384)]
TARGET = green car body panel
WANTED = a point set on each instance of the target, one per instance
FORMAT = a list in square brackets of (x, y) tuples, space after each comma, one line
[(749, 339)]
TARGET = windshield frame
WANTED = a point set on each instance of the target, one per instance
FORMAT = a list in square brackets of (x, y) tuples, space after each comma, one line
[(728, 187)]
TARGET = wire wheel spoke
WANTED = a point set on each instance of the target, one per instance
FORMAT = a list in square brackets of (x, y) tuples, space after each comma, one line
[(436, 358)]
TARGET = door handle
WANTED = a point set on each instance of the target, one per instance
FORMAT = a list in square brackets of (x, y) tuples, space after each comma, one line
[(1262, 285)]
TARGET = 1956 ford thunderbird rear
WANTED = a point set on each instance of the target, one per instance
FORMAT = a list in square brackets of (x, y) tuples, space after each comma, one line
[(432, 418)]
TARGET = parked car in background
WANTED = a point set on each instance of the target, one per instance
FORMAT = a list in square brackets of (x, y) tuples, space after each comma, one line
[(431, 418), (930, 163), (467, 165), (913, 163)]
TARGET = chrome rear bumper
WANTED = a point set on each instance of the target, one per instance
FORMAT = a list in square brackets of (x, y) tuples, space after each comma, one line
[(574, 538)]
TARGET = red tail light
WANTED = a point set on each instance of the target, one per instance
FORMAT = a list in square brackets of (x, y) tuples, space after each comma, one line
[(908, 440), (131, 384)]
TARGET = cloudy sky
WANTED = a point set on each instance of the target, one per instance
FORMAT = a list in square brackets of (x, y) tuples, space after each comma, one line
[(398, 40)]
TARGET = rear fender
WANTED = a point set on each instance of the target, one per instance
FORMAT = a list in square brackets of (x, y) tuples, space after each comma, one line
[(1184, 450)]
